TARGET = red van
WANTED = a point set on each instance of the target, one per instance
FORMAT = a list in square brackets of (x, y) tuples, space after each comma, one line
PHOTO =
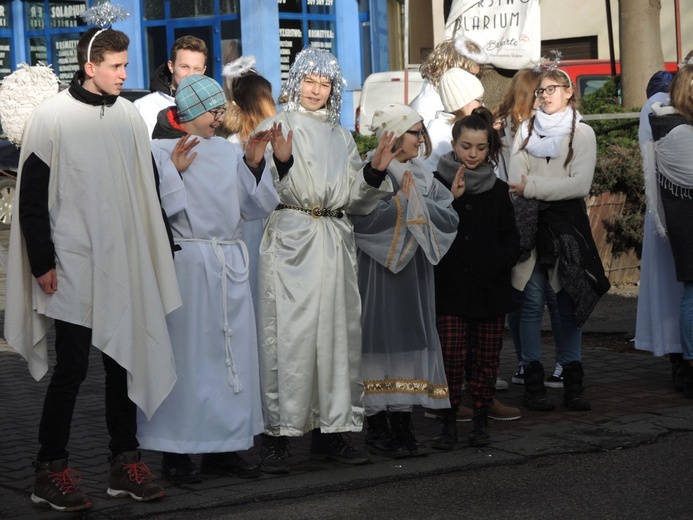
[(590, 75)]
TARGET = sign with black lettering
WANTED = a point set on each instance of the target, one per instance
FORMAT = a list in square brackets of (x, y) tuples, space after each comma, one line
[(509, 31), (65, 61), (290, 43), (5, 57)]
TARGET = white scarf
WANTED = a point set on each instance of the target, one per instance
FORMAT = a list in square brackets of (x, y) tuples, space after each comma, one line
[(548, 132)]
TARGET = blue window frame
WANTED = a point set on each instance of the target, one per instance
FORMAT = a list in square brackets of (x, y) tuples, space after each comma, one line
[(7, 63), (52, 32), (216, 22), (303, 23)]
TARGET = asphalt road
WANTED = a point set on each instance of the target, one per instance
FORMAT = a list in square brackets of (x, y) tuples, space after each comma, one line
[(648, 482)]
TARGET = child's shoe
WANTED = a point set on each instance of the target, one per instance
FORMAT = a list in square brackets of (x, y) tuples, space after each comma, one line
[(130, 477), (55, 486)]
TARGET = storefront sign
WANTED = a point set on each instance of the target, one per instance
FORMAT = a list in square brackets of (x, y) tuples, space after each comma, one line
[(509, 31), (5, 16), (65, 57), (290, 43), (38, 51), (5, 57)]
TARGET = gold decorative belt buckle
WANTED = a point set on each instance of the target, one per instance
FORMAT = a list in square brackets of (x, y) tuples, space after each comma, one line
[(316, 212)]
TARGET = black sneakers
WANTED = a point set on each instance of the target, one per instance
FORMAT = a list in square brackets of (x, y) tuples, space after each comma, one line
[(334, 446), (228, 463), (273, 454), (179, 469), (130, 477), (55, 486)]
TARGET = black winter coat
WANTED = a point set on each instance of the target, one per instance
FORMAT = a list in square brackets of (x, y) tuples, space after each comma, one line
[(473, 278)]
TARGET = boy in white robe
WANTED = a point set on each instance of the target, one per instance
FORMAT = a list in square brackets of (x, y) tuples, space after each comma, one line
[(91, 233), (208, 187)]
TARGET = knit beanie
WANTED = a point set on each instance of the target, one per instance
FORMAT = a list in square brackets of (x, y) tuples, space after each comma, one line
[(458, 88), (395, 117), (196, 95)]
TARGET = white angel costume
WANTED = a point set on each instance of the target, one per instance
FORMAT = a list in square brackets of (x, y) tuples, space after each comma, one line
[(310, 318), (399, 243), (215, 406)]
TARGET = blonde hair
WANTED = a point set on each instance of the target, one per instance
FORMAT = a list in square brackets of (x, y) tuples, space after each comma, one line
[(518, 102), (681, 92), (252, 103), (445, 57)]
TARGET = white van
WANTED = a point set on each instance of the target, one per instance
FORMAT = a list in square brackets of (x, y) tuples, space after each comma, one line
[(382, 88)]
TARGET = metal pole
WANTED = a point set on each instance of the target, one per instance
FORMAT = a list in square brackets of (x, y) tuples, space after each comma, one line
[(406, 52), (610, 30), (677, 23)]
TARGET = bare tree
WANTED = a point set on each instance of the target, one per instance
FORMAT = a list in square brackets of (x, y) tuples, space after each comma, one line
[(641, 47)]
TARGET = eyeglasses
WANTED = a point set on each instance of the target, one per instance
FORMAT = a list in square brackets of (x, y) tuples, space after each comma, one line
[(480, 101), (418, 133), (550, 89), (218, 113)]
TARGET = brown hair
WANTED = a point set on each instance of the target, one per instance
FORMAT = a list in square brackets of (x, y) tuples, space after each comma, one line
[(481, 119), (561, 78), (109, 40), (445, 57), (188, 43), (681, 92), (252, 103), (518, 101), (428, 146)]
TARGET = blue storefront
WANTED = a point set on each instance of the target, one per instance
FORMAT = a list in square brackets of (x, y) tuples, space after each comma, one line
[(272, 30)]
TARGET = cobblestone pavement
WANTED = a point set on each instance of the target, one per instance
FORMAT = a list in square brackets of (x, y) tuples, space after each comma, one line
[(632, 403)]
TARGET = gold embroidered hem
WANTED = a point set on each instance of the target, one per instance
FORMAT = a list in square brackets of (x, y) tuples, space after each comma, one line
[(406, 386)]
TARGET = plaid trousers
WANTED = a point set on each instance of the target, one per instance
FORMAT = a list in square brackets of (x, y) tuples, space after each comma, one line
[(480, 338)]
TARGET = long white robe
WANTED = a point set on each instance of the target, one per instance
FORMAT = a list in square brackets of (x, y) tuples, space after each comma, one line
[(215, 405), (310, 319), (114, 264)]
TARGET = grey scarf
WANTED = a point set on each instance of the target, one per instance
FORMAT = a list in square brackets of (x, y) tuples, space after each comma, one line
[(476, 181)]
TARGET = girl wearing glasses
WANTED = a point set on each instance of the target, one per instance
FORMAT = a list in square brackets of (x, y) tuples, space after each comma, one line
[(398, 244), (551, 171)]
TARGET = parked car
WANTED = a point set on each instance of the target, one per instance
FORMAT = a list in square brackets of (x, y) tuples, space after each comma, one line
[(382, 88), (590, 75)]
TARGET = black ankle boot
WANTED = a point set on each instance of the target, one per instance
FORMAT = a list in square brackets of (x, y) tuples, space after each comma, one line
[(179, 469), (379, 439), (535, 397), (479, 435), (447, 438), (402, 429), (687, 379), (573, 391)]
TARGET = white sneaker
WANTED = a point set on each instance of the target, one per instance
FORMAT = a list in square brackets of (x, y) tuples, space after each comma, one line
[(501, 384), (555, 380), (519, 377)]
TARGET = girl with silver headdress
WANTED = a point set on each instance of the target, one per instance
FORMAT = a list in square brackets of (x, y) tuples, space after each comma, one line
[(310, 311)]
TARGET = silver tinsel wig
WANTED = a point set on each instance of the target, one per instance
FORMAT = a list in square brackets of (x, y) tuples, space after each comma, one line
[(320, 62)]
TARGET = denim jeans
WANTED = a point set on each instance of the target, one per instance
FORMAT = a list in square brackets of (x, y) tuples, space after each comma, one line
[(686, 321), (531, 313), (72, 345), (514, 318)]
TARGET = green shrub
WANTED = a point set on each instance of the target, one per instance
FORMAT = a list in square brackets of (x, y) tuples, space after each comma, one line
[(365, 143), (619, 167)]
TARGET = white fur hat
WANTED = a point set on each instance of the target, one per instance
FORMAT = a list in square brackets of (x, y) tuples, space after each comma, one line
[(458, 88)]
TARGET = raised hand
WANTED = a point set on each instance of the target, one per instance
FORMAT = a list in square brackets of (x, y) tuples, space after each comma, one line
[(407, 182), (255, 147), (383, 153), (281, 146), (179, 156), (458, 186)]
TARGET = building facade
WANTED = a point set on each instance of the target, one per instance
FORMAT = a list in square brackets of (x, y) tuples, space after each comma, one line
[(365, 35)]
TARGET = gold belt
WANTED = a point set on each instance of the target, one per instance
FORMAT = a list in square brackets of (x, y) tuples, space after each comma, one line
[(315, 212)]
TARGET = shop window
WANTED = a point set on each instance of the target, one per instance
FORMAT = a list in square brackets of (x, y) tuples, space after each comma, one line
[(153, 9), (5, 39), (191, 8)]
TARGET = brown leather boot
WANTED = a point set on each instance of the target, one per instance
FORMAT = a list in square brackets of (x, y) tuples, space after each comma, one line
[(55, 486), (130, 477)]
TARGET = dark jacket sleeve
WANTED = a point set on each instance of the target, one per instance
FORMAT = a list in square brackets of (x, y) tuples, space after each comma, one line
[(34, 219), (169, 233), (283, 167), (372, 176)]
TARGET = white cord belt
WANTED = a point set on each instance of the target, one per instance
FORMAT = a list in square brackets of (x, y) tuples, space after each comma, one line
[(236, 277)]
